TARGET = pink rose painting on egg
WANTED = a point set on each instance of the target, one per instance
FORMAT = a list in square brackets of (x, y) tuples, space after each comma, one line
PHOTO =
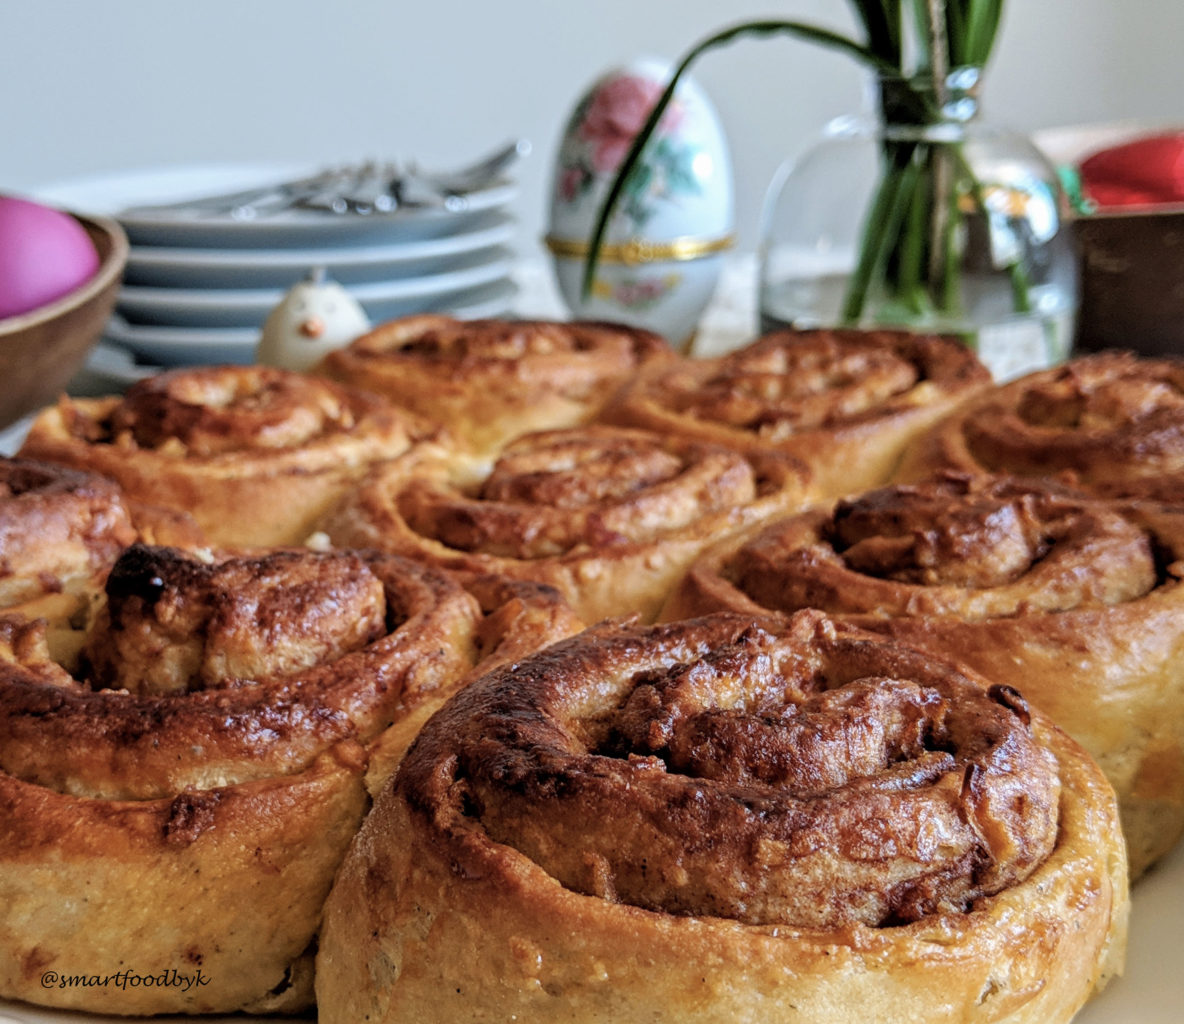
[(603, 127), (615, 114)]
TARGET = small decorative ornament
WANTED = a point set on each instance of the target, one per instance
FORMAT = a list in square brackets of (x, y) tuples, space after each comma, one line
[(664, 247), (44, 254), (316, 316)]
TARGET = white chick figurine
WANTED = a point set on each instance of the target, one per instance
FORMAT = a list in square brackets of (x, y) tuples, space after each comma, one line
[(315, 317)]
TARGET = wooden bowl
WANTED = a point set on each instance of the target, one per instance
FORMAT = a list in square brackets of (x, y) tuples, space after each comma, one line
[(42, 349)]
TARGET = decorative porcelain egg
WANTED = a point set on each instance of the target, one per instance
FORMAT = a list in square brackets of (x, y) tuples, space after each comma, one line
[(314, 317), (664, 246), (44, 254)]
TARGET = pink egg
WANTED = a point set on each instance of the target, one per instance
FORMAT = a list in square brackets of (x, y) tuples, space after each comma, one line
[(44, 254)]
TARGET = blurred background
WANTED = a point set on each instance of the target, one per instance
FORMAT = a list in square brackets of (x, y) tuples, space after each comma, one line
[(92, 87)]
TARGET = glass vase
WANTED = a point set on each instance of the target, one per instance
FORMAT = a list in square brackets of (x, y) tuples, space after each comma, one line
[(921, 215)]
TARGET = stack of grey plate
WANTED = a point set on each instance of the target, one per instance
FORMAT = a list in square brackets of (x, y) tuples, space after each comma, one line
[(215, 247)]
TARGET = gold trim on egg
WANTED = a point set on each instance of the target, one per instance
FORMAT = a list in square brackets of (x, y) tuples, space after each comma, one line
[(639, 250)]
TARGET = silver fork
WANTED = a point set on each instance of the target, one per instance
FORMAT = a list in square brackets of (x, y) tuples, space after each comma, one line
[(370, 187), (475, 175)]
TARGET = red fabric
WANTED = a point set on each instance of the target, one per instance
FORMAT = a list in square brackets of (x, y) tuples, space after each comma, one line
[(1144, 171)]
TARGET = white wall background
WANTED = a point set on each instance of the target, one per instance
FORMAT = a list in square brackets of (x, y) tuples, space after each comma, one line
[(89, 86)]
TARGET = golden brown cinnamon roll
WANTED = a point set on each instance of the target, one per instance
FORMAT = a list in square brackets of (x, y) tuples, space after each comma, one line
[(1075, 601), (730, 819), (61, 530), (255, 454), (1110, 423), (489, 381), (845, 402), (609, 516), (178, 807)]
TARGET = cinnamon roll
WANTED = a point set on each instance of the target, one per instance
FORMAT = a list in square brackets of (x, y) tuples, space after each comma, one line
[(1111, 423), (178, 806), (730, 819), (609, 516), (1075, 601), (846, 402), (61, 530), (489, 381), (255, 454)]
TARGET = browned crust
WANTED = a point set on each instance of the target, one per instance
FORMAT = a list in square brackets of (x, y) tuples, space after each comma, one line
[(1110, 423), (609, 516), (436, 916), (1075, 601), (488, 381), (844, 402), (254, 454), (194, 814)]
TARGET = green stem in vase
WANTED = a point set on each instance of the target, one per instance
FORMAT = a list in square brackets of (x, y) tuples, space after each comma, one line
[(909, 247), (944, 199), (893, 199), (912, 258), (1020, 283), (800, 30), (946, 268)]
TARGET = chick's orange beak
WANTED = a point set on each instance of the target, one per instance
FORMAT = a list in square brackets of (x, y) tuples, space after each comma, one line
[(313, 327)]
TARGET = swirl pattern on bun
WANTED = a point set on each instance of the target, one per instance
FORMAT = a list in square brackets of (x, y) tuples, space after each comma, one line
[(184, 798), (489, 381), (609, 516), (61, 530), (845, 402), (255, 454), (1075, 601), (726, 818), (1110, 423)]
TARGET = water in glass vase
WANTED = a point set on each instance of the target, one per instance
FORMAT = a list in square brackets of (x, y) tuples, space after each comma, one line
[(1008, 342), (922, 217)]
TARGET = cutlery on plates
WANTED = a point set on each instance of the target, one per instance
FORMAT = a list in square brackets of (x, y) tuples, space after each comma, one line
[(474, 176), (365, 188)]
